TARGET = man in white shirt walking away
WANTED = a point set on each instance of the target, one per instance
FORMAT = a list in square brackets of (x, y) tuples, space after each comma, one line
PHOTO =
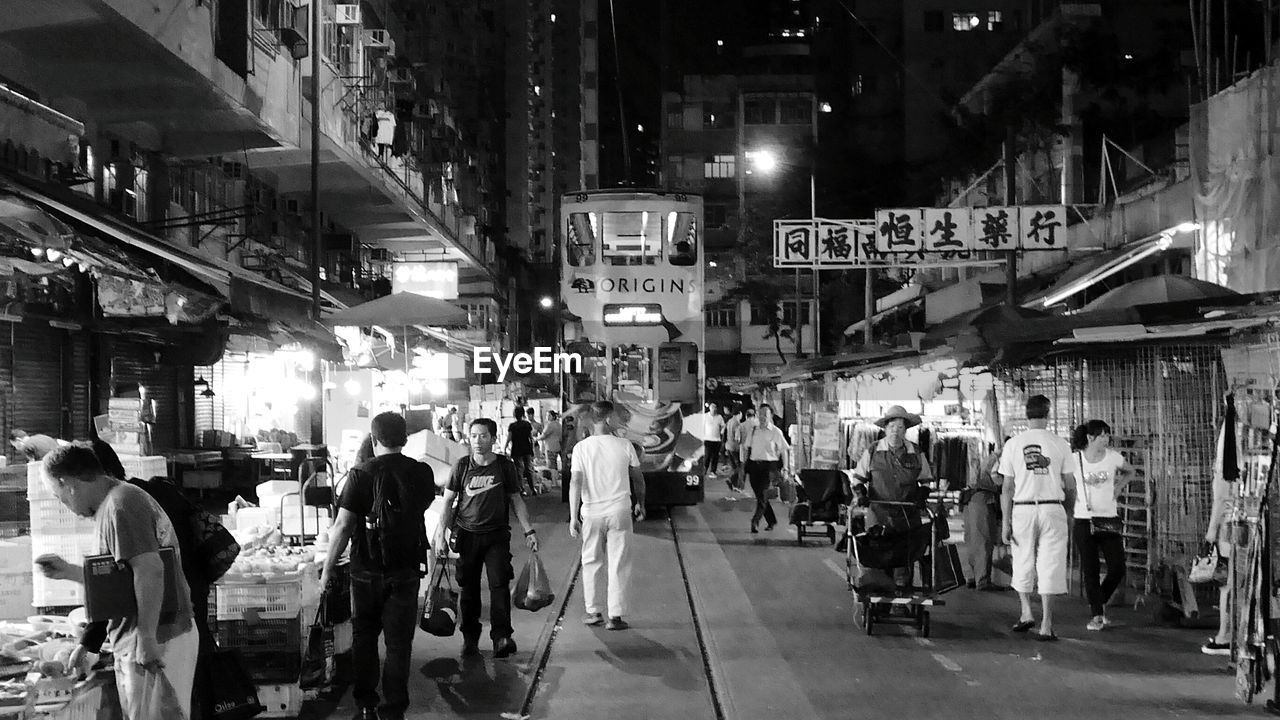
[(606, 490), (1039, 485), (713, 427)]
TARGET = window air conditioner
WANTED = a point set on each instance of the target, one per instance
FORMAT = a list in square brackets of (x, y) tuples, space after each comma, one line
[(377, 38)]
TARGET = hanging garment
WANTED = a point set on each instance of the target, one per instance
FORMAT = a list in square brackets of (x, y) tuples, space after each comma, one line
[(386, 127)]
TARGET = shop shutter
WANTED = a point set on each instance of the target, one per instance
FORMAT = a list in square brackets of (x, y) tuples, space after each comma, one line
[(78, 384), (37, 379), (134, 363)]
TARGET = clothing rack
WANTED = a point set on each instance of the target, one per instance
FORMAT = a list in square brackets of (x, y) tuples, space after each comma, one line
[(955, 451)]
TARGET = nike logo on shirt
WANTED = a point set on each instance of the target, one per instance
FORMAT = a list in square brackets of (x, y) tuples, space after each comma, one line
[(480, 485)]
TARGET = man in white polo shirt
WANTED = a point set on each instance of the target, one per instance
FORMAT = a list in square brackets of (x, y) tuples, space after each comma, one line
[(1039, 485), (606, 491)]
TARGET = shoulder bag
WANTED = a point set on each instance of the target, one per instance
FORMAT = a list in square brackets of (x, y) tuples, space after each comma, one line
[(1098, 526)]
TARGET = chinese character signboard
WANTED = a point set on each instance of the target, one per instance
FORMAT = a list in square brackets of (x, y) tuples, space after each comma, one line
[(1043, 227), (794, 243), (900, 232), (918, 236), (995, 228), (948, 231)]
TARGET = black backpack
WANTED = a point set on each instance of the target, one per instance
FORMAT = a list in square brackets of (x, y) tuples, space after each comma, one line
[(395, 531), (208, 549)]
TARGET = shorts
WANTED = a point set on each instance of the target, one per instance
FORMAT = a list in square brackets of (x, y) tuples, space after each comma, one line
[(1039, 549)]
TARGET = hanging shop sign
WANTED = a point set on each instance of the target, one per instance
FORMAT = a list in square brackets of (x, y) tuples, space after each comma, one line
[(122, 297), (826, 437), (918, 237), (433, 279)]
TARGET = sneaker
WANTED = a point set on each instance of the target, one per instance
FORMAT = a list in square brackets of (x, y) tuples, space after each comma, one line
[(504, 647), (616, 623), (591, 619), (1213, 647), (1097, 623)]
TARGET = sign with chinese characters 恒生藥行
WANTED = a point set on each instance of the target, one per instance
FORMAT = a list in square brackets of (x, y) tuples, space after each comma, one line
[(917, 236)]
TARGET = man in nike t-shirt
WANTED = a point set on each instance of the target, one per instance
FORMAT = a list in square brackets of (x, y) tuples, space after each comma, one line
[(487, 487)]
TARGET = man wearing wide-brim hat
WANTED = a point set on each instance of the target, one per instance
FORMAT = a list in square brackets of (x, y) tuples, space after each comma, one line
[(893, 470)]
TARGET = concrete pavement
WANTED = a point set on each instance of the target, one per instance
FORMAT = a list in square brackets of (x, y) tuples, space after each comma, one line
[(780, 642)]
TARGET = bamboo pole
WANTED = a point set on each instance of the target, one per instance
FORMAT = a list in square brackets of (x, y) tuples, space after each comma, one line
[(1195, 44)]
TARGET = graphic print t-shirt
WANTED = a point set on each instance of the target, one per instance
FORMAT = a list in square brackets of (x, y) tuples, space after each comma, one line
[(482, 493), (1037, 460), (1096, 484)]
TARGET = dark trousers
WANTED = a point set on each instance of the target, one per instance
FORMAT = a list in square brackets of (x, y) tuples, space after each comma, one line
[(981, 528), (384, 605), (760, 474), (491, 552), (711, 451), (1111, 547), (524, 466)]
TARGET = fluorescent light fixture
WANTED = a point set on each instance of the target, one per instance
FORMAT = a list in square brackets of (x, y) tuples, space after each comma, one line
[(1084, 283)]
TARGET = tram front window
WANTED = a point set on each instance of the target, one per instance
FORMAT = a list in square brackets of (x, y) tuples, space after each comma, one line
[(632, 238), (633, 371)]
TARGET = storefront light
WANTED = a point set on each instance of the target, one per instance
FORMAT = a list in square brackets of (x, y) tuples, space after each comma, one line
[(37, 252), (352, 387), (53, 254)]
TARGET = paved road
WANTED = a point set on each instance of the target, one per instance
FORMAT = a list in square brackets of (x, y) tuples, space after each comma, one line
[(780, 641)]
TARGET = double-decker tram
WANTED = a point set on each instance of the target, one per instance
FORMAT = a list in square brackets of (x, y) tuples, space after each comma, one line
[(632, 278)]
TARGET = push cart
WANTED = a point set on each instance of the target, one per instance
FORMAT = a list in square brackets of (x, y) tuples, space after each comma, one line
[(872, 556)]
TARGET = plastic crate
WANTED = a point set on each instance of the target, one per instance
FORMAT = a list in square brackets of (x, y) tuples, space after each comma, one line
[(270, 601), (83, 706), (51, 517), (263, 636), (71, 547), (55, 593), (280, 701), (272, 666)]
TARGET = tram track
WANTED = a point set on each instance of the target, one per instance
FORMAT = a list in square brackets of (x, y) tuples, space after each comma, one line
[(551, 634)]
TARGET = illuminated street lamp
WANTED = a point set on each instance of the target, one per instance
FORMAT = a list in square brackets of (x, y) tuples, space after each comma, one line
[(767, 162), (546, 302)]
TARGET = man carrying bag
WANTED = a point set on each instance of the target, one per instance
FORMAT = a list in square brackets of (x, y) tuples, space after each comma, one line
[(381, 514)]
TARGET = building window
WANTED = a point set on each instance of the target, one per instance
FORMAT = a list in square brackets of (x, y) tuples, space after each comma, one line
[(675, 117), (759, 316), (966, 21), (676, 165), (995, 21), (797, 111), (719, 166), (864, 85), (758, 112), (708, 116), (933, 21), (789, 312), (722, 317), (717, 215)]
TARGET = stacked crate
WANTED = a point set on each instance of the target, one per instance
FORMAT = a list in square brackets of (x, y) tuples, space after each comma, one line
[(56, 530)]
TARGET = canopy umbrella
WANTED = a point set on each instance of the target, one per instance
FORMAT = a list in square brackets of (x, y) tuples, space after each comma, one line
[(402, 309), (1156, 290)]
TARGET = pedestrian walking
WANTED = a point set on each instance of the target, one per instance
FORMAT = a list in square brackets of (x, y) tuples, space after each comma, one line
[(713, 427), (982, 522), (486, 487), (1103, 476), (764, 454), (1039, 485), (550, 440), (380, 514), (445, 423), (744, 429), (731, 445), (519, 448), (894, 470), (133, 529), (606, 492)]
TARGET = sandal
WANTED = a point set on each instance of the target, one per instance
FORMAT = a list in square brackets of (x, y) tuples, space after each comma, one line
[(1051, 637), (1024, 625)]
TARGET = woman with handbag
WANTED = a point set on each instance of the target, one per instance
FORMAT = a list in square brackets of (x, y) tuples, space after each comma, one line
[(1103, 475)]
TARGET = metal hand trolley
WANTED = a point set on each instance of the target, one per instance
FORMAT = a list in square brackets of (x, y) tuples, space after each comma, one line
[(890, 551)]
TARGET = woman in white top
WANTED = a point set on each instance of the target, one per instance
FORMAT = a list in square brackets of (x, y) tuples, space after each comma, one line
[(1103, 475), (765, 454)]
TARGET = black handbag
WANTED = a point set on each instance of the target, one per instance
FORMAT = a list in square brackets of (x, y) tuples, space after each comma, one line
[(231, 694), (316, 668), (440, 612)]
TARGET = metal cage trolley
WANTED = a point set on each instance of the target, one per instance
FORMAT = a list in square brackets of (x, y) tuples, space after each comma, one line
[(881, 552)]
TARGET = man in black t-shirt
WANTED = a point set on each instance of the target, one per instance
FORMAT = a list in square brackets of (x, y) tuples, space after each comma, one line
[(487, 488), (388, 548), (520, 448)]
